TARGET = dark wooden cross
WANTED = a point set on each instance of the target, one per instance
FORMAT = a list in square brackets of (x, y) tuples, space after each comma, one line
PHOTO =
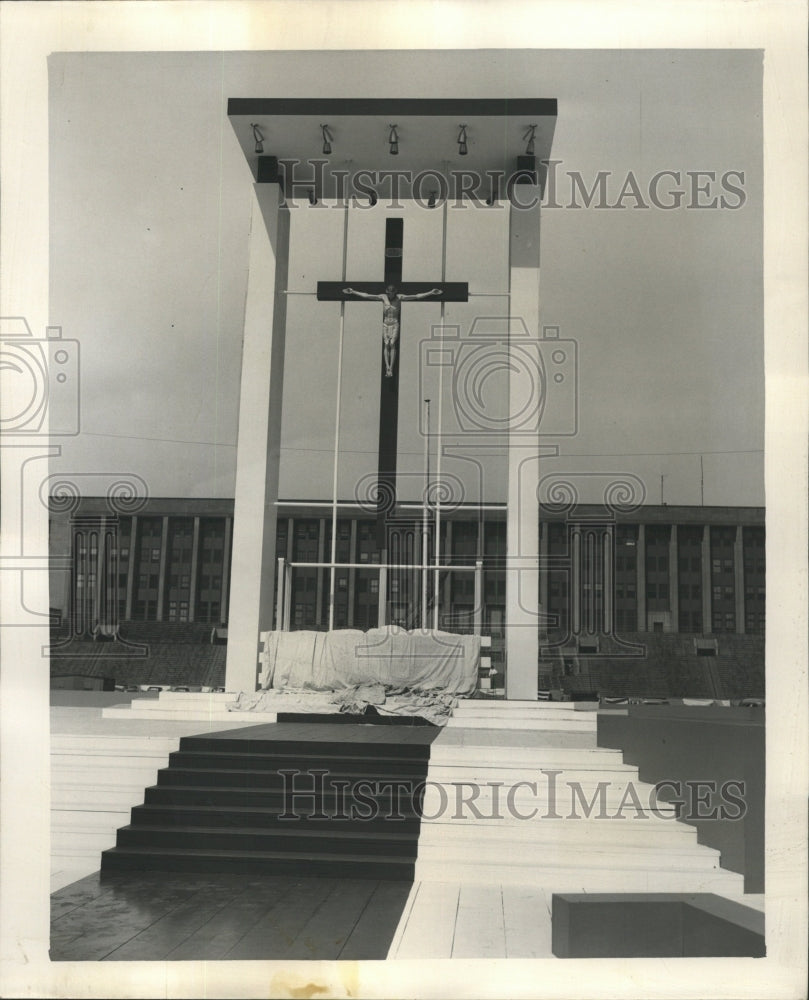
[(334, 291)]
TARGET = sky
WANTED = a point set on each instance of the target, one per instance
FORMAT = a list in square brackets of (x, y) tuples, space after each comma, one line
[(150, 219)]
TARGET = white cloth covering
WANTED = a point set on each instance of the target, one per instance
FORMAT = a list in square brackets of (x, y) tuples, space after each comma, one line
[(419, 673)]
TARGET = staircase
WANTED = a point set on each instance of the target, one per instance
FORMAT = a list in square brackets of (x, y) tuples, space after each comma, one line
[(95, 781), (531, 800), (224, 805)]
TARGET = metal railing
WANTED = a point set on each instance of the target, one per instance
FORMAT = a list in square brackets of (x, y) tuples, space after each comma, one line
[(283, 605)]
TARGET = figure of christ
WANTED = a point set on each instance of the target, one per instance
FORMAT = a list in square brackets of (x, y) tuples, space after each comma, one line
[(391, 315)]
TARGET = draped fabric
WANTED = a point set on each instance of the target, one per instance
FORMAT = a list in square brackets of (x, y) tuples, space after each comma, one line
[(396, 671)]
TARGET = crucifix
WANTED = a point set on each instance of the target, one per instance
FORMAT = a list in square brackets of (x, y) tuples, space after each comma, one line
[(390, 291)]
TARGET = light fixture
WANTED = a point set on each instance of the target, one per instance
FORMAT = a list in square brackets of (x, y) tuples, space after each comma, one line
[(327, 139), (529, 136), (312, 196), (258, 137), (462, 148), (431, 200), (393, 140)]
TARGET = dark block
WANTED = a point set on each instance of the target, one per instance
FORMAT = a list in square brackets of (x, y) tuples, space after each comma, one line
[(526, 170), (654, 925), (453, 291), (267, 171)]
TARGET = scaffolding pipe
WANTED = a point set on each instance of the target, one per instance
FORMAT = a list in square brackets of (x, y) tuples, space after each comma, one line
[(478, 597), (280, 576)]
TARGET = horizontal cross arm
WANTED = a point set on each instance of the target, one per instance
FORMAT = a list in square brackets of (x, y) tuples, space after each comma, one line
[(451, 291)]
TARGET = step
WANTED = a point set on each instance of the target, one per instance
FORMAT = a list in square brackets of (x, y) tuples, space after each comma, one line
[(69, 744), (96, 798), (504, 707), (293, 838), (461, 802), (523, 722), (588, 758), (232, 719), (377, 765), (107, 775), (567, 856), (547, 833), (249, 797), (77, 819), (257, 863), (82, 841), (304, 748), (509, 774), (331, 816), (582, 878), (301, 784)]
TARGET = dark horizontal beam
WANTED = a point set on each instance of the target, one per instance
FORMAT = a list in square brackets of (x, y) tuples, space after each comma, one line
[(453, 291), (533, 107)]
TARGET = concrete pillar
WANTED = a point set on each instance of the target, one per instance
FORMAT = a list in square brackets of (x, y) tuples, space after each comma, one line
[(223, 604), (259, 445), (161, 577), (707, 610), (192, 593), (674, 580), (640, 568), (738, 578), (130, 572), (522, 527)]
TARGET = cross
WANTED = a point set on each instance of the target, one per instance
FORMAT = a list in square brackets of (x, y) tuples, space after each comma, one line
[(335, 291)]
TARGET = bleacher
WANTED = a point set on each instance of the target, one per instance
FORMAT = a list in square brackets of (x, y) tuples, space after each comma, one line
[(145, 653), (669, 667)]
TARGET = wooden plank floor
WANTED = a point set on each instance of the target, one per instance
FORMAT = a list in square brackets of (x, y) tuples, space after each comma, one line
[(157, 916)]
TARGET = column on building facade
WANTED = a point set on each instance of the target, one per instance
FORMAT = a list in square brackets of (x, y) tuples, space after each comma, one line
[(321, 548), (707, 611), (192, 591), (575, 581), (353, 557), (640, 568), (674, 580), (130, 573), (97, 565), (608, 578), (738, 578), (161, 579), (382, 604), (223, 607), (543, 575)]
